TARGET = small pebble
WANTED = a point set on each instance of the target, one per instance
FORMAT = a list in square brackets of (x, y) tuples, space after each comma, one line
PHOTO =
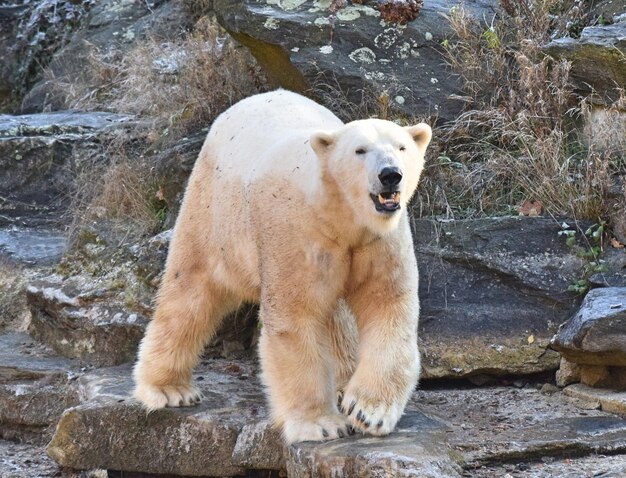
[(549, 389)]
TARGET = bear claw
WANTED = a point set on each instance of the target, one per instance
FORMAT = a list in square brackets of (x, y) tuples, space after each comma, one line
[(368, 416)]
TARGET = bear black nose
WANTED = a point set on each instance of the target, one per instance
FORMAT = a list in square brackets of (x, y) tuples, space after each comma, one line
[(390, 176)]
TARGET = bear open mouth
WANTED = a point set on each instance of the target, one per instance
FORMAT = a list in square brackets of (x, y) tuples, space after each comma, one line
[(387, 201)]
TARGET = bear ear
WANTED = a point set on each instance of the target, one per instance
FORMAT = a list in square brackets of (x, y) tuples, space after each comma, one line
[(322, 141), (421, 134)]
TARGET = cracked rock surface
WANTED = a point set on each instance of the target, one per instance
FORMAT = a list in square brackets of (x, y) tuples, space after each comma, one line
[(445, 432)]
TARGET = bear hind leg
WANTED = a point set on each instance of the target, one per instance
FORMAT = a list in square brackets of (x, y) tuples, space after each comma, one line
[(186, 317)]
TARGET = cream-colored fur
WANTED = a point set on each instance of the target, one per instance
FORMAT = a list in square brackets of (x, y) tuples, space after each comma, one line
[(278, 211)]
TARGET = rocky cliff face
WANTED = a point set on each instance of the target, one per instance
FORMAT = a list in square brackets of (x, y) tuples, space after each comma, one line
[(75, 296), (305, 44)]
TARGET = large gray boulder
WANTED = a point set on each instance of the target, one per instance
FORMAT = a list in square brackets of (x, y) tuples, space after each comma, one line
[(596, 334), (597, 58), (493, 293), (304, 43)]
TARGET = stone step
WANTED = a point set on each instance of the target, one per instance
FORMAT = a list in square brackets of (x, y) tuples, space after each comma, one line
[(35, 388), (444, 433), (612, 401), (41, 153), (82, 317)]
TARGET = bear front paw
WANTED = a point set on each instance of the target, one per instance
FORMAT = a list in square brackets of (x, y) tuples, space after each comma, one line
[(154, 397), (370, 416), (327, 427)]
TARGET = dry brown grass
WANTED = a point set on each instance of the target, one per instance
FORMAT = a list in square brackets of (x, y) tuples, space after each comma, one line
[(126, 192), (179, 85), (351, 105), (521, 138), (185, 86), (176, 88)]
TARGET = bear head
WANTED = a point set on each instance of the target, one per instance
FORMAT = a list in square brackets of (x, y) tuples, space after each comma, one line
[(376, 165)]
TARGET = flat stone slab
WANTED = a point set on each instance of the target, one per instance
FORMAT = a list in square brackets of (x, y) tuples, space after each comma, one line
[(32, 246), (58, 122), (35, 388), (612, 401), (196, 441), (403, 454), (492, 294), (575, 467), (508, 424), (444, 432)]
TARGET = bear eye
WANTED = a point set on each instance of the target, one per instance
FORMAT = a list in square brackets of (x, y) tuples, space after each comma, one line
[(402, 148), (360, 151)]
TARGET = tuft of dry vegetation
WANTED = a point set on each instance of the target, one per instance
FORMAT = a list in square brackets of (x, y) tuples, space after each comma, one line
[(352, 105), (355, 104), (181, 86), (185, 86), (126, 192), (198, 8), (519, 139), (176, 88)]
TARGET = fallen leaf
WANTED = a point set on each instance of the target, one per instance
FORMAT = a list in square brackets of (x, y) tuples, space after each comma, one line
[(616, 244), (531, 339), (530, 208)]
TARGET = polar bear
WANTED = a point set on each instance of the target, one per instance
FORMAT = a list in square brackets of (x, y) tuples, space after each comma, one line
[(291, 208)]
